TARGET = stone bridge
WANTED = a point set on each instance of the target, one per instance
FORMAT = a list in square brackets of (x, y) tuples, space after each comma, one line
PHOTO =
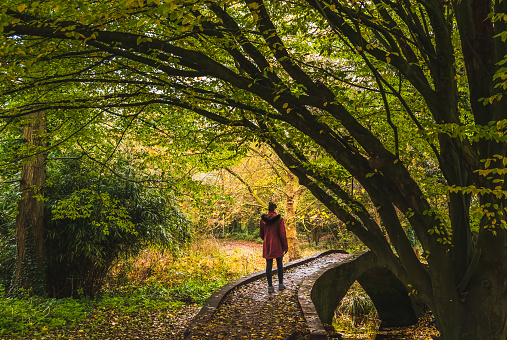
[(323, 291), (315, 288)]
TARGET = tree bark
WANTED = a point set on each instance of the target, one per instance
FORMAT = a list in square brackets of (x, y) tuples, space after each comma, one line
[(29, 273), (485, 299), (291, 204)]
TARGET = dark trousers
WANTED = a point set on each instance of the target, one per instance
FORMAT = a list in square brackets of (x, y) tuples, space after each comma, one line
[(269, 269)]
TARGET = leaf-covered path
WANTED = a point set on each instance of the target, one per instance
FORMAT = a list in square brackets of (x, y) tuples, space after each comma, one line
[(250, 312)]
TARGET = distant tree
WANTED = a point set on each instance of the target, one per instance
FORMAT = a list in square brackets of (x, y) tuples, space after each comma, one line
[(265, 178), (30, 272)]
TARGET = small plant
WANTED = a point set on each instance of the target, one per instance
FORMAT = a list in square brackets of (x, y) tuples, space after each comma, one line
[(195, 291), (26, 313), (356, 313)]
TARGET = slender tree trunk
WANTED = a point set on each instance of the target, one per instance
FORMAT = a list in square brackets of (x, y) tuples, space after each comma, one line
[(29, 272), (290, 216)]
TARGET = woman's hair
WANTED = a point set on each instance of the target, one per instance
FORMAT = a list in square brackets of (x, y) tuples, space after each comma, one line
[(271, 206)]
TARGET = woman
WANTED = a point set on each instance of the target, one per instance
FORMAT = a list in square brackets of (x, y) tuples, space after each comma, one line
[(274, 245)]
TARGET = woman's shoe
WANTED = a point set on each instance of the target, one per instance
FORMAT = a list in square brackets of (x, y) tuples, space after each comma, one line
[(281, 286), (271, 289)]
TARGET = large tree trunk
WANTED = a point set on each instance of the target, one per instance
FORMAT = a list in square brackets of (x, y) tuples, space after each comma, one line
[(485, 298), (29, 272), (483, 287), (481, 309)]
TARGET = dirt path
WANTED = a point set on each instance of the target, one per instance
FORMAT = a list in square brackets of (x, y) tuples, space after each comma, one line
[(243, 245), (250, 312)]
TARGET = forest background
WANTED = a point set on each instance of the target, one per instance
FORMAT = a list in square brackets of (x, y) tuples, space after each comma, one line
[(125, 120)]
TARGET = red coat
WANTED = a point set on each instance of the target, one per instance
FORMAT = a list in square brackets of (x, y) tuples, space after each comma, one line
[(272, 232)]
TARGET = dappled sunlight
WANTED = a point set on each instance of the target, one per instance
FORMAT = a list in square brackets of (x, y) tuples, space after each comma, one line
[(205, 261)]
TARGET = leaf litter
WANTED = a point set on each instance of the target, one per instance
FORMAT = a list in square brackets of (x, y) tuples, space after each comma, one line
[(250, 312)]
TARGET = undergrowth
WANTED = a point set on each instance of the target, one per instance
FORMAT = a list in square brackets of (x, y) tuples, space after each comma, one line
[(154, 281), (356, 313), (20, 314), (156, 284)]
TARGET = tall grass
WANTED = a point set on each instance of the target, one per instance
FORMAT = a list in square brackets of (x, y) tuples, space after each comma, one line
[(190, 276), (356, 314)]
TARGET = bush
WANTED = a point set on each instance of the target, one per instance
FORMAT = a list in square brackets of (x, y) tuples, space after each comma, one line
[(8, 208), (90, 224), (254, 237)]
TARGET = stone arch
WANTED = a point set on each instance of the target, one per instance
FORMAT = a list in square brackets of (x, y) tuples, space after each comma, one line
[(394, 306)]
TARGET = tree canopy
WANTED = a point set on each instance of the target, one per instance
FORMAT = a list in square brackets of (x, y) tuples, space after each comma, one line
[(406, 97)]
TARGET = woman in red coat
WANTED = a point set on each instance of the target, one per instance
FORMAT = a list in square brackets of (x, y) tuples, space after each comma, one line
[(274, 246)]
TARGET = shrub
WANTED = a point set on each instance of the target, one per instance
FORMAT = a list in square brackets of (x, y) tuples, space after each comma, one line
[(8, 199), (91, 223), (253, 237)]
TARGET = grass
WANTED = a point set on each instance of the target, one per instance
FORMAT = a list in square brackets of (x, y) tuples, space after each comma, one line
[(357, 318), (154, 282), (139, 292)]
